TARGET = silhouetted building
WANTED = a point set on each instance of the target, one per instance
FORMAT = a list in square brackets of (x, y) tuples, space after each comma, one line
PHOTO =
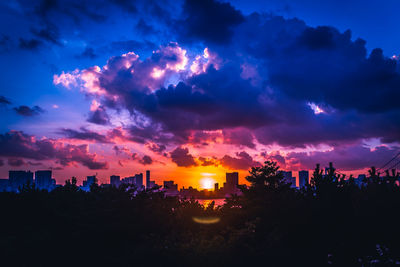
[(147, 178), (232, 181), (43, 180), (216, 186), (4, 185), (89, 181), (189, 192), (170, 185), (151, 185), (128, 180), (304, 177), (139, 180), (18, 179), (136, 180), (170, 188), (115, 180)]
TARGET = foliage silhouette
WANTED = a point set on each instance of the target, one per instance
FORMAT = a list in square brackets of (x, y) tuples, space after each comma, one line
[(332, 221)]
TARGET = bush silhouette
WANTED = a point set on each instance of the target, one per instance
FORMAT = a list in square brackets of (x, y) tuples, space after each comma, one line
[(332, 221)]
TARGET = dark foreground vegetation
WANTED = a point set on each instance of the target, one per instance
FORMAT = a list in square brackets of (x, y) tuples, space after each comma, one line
[(331, 222)]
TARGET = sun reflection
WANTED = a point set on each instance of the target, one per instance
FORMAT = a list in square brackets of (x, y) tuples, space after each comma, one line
[(206, 220)]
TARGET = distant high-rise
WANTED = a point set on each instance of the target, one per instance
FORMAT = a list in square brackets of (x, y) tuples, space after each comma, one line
[(89, 181), (147, 178), (115, 180), (136, 180), (232, 178), (17, 179), (216, 187), (232, 181), (303, 178), (170, 185), (43, 180), (139, 180), (152, 184)]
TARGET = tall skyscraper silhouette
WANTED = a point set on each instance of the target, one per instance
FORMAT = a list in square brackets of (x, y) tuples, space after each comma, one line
[(303, 178), (147, 179)]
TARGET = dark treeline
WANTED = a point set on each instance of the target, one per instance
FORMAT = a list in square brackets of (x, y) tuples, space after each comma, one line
[(331, 222)]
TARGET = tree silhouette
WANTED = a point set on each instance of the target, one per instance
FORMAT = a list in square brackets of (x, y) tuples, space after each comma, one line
[(266, 176), (332, 221)]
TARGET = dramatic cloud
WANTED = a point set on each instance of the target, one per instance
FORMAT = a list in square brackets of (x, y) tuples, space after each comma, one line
[(146, 160), (83, 134), (239, 137), (227, 95), (99, 116), (29, 112), (156, 147), (208, 162), (242, 161), (350, 157), (121, 150), (18, 144), (182, 158), (208, 20), (203, 75)]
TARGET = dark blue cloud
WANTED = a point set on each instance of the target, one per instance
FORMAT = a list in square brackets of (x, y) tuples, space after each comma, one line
[(208, 20), (4, 101), (29, 44), (83, 134), (28, 112), (99, 116), (88, 53)]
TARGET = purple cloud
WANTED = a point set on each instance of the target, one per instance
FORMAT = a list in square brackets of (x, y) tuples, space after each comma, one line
[(242, 161), (350, 157), (15, 162), (182, 158), (19, 144), (83, 134), (146, 160)]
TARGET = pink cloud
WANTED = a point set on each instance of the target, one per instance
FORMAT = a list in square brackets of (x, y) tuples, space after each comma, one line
[(19, 144)]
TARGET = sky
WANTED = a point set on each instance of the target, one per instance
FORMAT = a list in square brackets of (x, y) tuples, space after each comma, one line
[(191, 89)]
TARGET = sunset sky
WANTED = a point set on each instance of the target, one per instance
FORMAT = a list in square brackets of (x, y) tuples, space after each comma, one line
[(192, 89)]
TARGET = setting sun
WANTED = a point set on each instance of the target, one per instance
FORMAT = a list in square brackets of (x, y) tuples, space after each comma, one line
[(207, 183)]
